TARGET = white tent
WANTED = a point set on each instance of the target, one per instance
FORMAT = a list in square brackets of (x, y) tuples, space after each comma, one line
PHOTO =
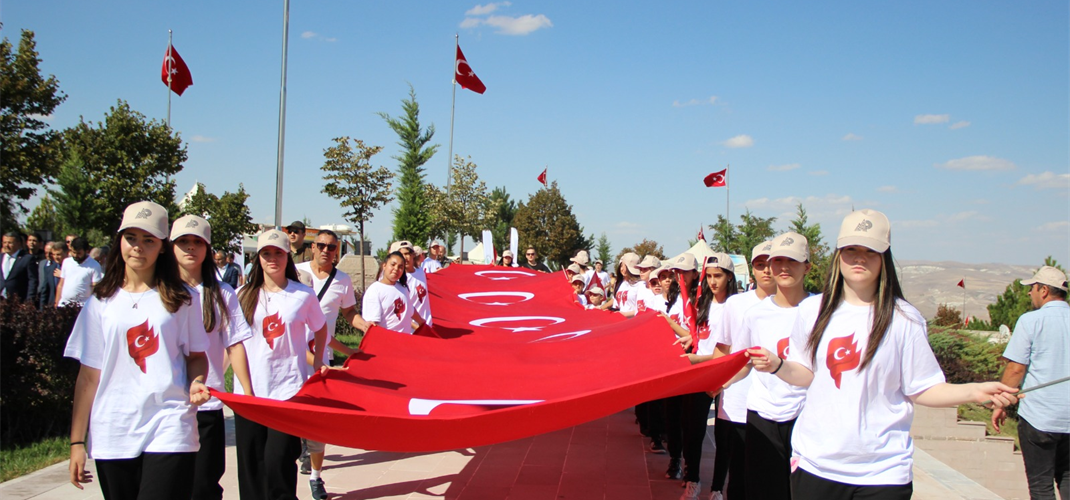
[(475, 255)]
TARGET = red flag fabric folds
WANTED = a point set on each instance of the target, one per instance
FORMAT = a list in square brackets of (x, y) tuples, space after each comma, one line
[(542, 177), (181, 78), (962, 283), (517, 357), (465, 76), (716, 179)]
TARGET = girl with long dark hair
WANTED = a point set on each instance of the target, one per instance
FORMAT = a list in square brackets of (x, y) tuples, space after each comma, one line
[(285, 318), (191, 239), (141, 346), (681, 316), (862, 353), (388, 302)]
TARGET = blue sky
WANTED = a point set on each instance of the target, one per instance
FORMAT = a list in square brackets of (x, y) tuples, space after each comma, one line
[(950, 117)]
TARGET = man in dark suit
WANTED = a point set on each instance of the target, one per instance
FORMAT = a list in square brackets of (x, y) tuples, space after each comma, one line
[(18, 272), (226, 272), (47, 277)]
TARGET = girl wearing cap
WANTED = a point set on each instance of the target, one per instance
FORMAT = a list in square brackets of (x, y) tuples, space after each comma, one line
[(577, 290), (628, 285), (681, 312), (862, 353), (191, 237), (285, 318), (141, 347), (651, 414), (387, 302)]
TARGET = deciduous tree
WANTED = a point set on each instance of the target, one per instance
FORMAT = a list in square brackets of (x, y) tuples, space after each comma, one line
[(467, 208), (1014, 301), (228, 214), (741, 239), (644, 248), (546, 222), (502, 218), (411, 219), (820, 256), (355, 183)]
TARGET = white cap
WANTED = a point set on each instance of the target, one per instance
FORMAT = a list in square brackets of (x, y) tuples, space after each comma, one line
[(721, 260), (507, 253), (596, 291), (868, 228), (761, 250), (650, 262), (684, 262), (398, 245), (577, 278), (273, 238), (630, 261), (791, 245), (581, 258), (191, 224), (1050, 276), (147, 216), (418, 250), (575, 268)]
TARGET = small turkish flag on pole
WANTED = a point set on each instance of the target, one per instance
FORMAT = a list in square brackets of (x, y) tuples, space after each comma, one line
[(962, 283), (465, 76), (701, 236), (175, 74), (716, 179), (542, 176)]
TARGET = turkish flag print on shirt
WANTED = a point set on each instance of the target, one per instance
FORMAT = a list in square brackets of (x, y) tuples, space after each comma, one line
[(465, 76), (842, 356), (142, 342), (181, 78)]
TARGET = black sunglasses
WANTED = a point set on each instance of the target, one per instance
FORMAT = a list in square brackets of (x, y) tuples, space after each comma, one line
[(330, 247)]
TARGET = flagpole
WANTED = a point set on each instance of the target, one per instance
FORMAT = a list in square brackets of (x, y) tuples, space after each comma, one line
[(964, 301), (728, 194), (170, 60), (453, 106), (282, 115)]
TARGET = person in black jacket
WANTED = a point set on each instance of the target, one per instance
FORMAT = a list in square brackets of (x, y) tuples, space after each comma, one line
[(47, 276), (19, 273), (532, 261), (225, 271)]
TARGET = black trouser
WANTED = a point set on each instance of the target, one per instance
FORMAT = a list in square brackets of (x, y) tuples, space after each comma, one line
[(674, 433), (733, 452), (767, 458), (149, 476), (211, 459), (806, 486), (267, 461), (1047, 460), (694, 413), (651, 417)]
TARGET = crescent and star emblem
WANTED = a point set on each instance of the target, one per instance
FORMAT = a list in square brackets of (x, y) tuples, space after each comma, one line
[(524, 297), (506, 319), (841, 353)]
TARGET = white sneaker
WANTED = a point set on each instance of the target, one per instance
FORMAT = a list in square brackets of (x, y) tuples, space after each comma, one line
[(716, 495), (692, 491)]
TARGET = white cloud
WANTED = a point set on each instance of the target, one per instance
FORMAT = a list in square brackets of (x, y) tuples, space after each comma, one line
[(783, 168), (201, 138), (739, 141), (961, 216), (470, 22), (959, 124), (931, 119), (888, 189), (979, 162), (307, 34), (44, 118), (943, 221), (482, 10), (851, 137), (1057, 226), (523, 25), (695, 102), (1046, 180), (818, 173), (790, 202)]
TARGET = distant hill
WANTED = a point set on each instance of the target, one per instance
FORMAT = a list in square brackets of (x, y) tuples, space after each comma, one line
[(928, 284)]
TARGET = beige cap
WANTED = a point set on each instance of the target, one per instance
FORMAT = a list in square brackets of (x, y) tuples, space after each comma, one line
[(191, 224), (148, 216), (436, 243), (721, 260), (596, 291), (684, 262), (656, 274), (418, 250), (1050, 276), (761, 250), (575, 268), (650, 262), (507, 253), (577, 278), (630, 261), (868, 228), (398, 245), (273, 238), (791, 245), (581, 258)]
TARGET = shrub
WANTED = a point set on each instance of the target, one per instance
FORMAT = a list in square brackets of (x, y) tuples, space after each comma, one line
[(38, 382)]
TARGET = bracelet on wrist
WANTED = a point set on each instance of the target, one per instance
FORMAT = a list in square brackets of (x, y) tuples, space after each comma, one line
[(779, 366), (75, 443)]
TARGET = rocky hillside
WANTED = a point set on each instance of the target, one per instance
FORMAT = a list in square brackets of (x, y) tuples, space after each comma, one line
[(929, 284)]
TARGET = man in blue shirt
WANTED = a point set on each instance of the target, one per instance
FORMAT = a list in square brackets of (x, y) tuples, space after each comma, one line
[(1039, 352)]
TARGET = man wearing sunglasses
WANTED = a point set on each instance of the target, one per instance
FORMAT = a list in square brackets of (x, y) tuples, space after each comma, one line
[(336, 296), (532, 261)]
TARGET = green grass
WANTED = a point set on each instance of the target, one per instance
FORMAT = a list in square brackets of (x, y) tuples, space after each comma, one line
[(26, 459), (978, 413)]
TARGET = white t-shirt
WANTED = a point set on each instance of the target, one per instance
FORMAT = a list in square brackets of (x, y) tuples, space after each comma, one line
[(430, 265), (142, 401), (769, 325), (339, 295), (417, 282), (284, 324), (734, 399), (220, 339), (388, 306), (647, 299), (626, 296), (707, 345), (855, 427), (78, 279), (676, 312)]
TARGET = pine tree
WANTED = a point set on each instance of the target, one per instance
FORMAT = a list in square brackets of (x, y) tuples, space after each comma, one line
[(411, 218)]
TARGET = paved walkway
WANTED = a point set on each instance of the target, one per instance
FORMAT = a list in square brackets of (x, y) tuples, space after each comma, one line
[(603, 459)]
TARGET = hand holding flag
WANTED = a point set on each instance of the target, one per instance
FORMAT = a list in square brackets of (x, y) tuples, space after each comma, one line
[(716, 179), (174, 73)]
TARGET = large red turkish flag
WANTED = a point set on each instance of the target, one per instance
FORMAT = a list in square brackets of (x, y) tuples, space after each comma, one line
[(465, 76), (518, 358), (173, 64)]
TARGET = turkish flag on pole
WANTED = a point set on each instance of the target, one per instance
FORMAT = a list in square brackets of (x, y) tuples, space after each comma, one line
[(179, 72), (465, 76), (962, 283), (716, 179), (542, 177), (701, 237)]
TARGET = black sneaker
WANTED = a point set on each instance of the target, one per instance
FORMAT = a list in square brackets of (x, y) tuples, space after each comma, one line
[(306, 465), (656, 447), (673, 472), (319, 489)]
